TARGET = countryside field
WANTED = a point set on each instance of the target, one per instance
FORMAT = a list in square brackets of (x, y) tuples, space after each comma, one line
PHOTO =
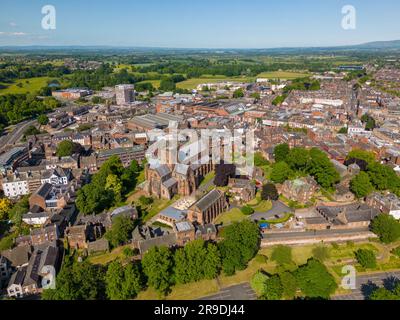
[(155, 83), (283, 75), (193, 83), (27, 85)]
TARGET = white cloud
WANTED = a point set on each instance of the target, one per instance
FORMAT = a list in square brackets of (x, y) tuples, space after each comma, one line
[(13, 24), (1, 32)]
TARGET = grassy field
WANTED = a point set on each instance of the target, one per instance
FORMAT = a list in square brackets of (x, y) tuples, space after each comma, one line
[(231, 216), (105, 258), (283, 75), (27, 85), (155, 83), (193, 83)]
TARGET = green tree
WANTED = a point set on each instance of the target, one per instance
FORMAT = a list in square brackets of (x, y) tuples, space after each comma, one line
[(269, 192), (68, 148), (366, 258), (78, 281), (367, 156), (343, 131), (158, 267), (273, 289), (298, 159), (281, 152), (241, 243), (315, 281), (280, 172), (361, 185), (258, 282), (386, 227), (121, 231), (114, 184), (167, 85), (114, 281), (289, 285), (43, 120), (238, 93), (322, 169)]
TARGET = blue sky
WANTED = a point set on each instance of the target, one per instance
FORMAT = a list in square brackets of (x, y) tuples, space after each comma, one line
[(198, 24)]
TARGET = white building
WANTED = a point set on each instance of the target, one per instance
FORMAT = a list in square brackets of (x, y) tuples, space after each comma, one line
[(15, 188)]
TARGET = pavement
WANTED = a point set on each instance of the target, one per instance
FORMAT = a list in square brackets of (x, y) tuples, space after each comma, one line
[(368, 283), (278, 208), (239, 292)]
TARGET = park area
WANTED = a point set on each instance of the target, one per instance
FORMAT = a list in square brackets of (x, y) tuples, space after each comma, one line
[(337, 256)]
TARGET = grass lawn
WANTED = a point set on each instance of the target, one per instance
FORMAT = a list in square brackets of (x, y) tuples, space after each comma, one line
[(263, 206), (157, 206), (231, 216), (283, 75), (155, 83), (105, 258), (193, 83), (190, 291), (208, 178), (33, 85), (285, 219)]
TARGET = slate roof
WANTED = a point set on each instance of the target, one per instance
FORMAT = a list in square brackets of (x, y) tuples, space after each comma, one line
[(18, 256), (208, 200), (181, 169), (174, 213), (170, 183), (44, 190), (163, 170)]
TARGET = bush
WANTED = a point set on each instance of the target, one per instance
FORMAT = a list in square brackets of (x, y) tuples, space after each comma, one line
[(273, 289), (258, 282), (366, 258), (247, 210), (396, 252)]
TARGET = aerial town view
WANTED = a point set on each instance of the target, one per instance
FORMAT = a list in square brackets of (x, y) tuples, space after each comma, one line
[(212, 151)]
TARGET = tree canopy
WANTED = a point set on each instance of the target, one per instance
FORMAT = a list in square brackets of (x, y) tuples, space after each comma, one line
[(240, 245)]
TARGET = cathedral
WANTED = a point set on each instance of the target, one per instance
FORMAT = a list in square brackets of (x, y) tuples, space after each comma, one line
[(167, 179)]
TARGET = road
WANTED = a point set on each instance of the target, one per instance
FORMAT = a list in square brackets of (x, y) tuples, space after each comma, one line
[(278, 208), (239, 292), (16, 135), (367, 283), (291, 235)]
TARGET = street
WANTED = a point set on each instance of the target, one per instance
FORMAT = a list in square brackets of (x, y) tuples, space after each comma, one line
[(236, 293), (367, 283)]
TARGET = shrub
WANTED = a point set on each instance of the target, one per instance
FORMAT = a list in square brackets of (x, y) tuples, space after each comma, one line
[(247, 210), (366, 258), (258, 282)]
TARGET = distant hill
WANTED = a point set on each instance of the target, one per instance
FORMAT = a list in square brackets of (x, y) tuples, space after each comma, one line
[(369, 46)]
